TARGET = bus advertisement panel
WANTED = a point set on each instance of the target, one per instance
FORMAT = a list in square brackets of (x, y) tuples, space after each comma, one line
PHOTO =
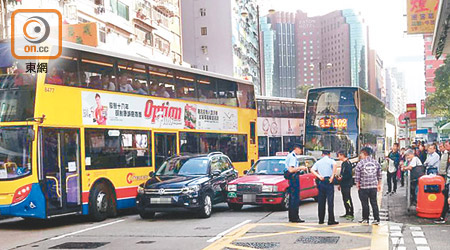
[(117, 110)]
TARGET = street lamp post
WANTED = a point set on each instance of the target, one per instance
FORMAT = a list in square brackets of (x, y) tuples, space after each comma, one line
[(328, 65)]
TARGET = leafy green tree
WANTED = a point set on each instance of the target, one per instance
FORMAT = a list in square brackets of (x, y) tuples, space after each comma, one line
[(302, 91), (438, 103)]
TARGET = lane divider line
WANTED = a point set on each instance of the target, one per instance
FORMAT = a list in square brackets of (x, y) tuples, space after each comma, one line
[(220, 235), (86, 229)]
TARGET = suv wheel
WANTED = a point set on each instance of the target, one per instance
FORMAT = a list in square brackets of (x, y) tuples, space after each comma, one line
[(285, 202), (205, 211), (235, 206), (146, 215)]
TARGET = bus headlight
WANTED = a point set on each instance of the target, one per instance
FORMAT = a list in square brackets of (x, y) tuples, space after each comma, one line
[(269, 188), (232, 188)]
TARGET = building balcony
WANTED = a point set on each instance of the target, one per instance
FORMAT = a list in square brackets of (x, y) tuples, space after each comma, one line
[(166, 7)]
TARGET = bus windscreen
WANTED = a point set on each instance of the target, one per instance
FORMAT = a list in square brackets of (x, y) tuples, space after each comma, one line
[(332, 121)]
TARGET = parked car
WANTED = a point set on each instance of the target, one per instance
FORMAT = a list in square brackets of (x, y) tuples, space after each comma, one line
[(193, 183), (265, 184)]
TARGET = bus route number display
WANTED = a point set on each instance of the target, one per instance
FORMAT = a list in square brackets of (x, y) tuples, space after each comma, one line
[(337, 123)]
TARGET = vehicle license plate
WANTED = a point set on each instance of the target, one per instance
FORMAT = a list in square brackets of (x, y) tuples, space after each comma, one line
[(249, 198), (160, 200)]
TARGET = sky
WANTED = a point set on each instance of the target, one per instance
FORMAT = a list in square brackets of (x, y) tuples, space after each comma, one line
[(387, 25)]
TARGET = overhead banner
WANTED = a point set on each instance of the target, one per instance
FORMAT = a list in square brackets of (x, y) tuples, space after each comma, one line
[(119, 110), (275, 127), (421, 16)]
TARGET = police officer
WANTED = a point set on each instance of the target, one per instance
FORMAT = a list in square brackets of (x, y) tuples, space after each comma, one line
[(292, 173), (325, 169)]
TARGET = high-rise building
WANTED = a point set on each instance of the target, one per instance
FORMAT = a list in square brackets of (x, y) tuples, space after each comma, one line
[(279, 48), (431, 64), (395, 91), (144, 28), (222, 37), (376, 75), (332, 49)]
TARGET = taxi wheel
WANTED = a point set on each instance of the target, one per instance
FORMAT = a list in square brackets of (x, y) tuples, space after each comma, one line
[(147, 215), (235, 206), (99, 202), (285, 203), (206, 210)]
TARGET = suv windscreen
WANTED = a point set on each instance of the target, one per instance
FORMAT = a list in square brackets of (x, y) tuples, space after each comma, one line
[(184, 166), (271, 167)]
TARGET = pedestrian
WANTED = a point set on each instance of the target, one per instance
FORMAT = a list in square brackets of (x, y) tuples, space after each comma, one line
[(292, 174), (445, 158), (414, 165), (345, 185), (421, 153), (325, 169), (368, 182), (394, 160), (432, 161), (402, 163)]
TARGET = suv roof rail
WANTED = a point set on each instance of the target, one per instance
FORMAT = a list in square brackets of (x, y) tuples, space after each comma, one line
[(215, 153)]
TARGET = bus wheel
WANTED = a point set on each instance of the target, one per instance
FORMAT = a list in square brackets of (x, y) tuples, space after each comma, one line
[(99, 202)]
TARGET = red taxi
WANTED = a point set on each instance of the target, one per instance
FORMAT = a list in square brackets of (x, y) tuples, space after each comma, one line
[(264, 184)]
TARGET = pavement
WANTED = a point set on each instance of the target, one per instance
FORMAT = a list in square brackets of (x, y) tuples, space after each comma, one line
[(407, 231), (252, 228)]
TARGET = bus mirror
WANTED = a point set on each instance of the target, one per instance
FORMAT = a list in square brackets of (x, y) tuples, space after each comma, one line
[(151, 174), (245, 171), (30, 134)]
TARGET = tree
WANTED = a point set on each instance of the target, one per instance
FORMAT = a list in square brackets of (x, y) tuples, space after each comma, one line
[(302, 91), (438, 103)]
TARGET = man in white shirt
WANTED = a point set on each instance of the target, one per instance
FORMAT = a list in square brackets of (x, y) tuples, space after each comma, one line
[(432, 161)]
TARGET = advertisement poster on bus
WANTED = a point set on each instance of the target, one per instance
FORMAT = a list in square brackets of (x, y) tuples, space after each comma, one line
[(118, 110), (275, 127)]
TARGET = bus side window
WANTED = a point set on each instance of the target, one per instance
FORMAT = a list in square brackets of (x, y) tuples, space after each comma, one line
[(252, 132), (246, 96), (97, 72), (161, 82), (227, 92), (207, 89), (63, 71), (185, 86)]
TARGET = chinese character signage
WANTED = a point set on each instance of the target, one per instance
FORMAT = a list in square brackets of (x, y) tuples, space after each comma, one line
[(82, 33), (118, 110), (411, 109), (421, 16), (422, 106)]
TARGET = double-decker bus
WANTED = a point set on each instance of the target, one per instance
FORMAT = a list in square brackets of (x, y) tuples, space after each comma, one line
[(280, 124), (80, 133), (344, 118)]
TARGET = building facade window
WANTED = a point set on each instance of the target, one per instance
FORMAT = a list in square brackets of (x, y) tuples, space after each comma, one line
[(120, 9), (204, 31), (202, 12), (205, 67)]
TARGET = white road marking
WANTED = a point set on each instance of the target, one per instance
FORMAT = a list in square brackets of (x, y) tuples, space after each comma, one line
[(417, 234), (397, 241), (396, 234), (420, 241), (423, 248), (220, 235), (415, 228), (85, 230), (395, 228)]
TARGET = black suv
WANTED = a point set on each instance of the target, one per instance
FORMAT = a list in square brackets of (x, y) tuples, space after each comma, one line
[(192, 183)]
